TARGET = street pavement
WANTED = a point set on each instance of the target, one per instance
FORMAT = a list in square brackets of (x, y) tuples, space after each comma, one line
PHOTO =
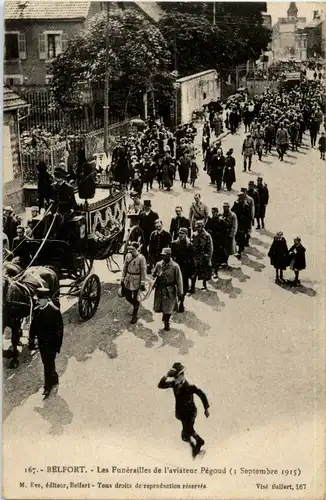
[(255, 348)]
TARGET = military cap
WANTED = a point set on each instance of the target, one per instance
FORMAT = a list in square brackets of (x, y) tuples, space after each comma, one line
[(183, 230), (166, 251)]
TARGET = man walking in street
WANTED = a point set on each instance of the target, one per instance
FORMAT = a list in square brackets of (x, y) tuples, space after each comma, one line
[(282, 141), (198, 211), (168, 287), (47, 326), (263, 202), (216, 227), (177, 222), (133, 277), (247, 151), (183, 255), (159, 239), (231, 227), (203, 252), (244, 216), (185, 408), (147, 220)]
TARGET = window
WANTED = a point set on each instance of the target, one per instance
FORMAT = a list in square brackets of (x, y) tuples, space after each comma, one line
[(51, 44), (15, 45)]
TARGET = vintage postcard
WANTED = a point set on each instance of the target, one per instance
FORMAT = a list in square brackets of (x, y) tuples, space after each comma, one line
[(163, 276)]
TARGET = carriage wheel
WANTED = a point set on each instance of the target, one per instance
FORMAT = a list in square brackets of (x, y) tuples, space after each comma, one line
[(85, 268), (89, 297)]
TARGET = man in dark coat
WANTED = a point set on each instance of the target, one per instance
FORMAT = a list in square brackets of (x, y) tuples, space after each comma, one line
[(159, 239), (147, 220), (183, 254), (263, 202), (47, 326), (10, 224), (279, 256), (297, 259), (177, 222), (242, 210), (217, 165), (185, 408), (184, 167), (253, 193), (203, 252), (44, 183), (217, 228), (229, 171), (20, 247), (63, 193)]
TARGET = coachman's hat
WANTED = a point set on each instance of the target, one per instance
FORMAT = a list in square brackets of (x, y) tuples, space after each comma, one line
[(60, 172), (42, 293)]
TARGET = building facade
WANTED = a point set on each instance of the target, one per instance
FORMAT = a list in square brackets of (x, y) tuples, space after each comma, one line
[(289, 38), (195, 91), (316, 36)]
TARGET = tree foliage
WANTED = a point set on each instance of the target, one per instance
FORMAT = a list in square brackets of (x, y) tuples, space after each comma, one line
[(238, 33), (139, 58)]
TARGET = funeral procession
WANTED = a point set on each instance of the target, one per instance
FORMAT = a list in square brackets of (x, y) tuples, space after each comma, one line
[(163, 228)]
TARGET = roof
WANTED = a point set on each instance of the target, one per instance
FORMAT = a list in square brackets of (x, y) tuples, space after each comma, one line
[(196, 75), (314, 23), (151, 9), (43, 9), (12, 101)]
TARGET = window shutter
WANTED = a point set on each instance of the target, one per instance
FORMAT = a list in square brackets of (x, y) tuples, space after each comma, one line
[(42, 46), (64, 41), (22, 46)]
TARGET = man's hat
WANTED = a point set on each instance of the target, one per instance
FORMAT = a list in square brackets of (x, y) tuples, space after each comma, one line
[(251, 183), (8, 208), (214, 209), (59, 172), (259, 178), (183, 230), (43, 293), (241, 193), (166, 251), (147, 203), (178, 368)]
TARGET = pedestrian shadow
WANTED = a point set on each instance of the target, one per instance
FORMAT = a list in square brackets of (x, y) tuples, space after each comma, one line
[(289, 162), (236, 272), (265, 232), (259, 242), (176, 339), (288, 285), (225, 286), (56, 411), (267, 162), (256, 266), (210, 298), (190, 320), (255, 252), (143, 333)]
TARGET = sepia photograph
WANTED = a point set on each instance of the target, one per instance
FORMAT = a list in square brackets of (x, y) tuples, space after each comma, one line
[(163, 257)]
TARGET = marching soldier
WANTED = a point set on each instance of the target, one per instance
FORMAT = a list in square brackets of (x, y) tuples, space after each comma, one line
[(185, 408), (47, 326), (133, 277), (231, 227), (247, 151), (183, 255), (168, 286)]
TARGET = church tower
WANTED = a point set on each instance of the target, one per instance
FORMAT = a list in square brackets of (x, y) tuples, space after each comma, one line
[(292, 11)]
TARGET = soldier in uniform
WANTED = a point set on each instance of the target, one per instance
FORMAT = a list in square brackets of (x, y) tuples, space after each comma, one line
[(47, 326), (185, 408), (216, 227), (247, 151), (183, 255), (231, 227), (159, 239), (147, 220), (133, 277), (243, 212), (203, 252), (168, 286)]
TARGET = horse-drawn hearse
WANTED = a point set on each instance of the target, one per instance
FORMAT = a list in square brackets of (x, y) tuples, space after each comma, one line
[(64, 265)]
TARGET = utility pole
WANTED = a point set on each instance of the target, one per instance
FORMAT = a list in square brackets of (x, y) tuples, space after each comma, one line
[(107, 81), (214, 13)]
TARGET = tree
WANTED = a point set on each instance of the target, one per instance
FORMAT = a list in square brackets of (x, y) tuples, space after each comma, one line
[(238, 34), (138, 60)]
